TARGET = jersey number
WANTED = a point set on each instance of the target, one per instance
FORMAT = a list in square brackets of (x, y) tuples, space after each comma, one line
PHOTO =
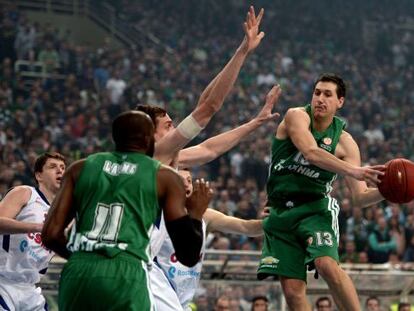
[(106, 222), (324, 238)]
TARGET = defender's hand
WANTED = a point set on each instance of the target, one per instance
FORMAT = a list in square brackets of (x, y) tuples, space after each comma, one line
[(198, 202)]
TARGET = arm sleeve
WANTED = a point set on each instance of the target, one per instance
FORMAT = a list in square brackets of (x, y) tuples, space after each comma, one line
[(186, 234)]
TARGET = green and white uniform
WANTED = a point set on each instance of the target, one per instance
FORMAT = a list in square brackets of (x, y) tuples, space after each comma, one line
[(303, 220), (116, 205)]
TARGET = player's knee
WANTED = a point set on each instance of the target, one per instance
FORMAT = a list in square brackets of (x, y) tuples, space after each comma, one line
[(294, 292), (329, 269)]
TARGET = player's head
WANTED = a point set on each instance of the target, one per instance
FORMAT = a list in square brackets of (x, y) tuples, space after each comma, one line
[(404, 306), (48, 170), (188, 180), (260, 303), (372, 304), (323, 304), (222, 303), (161, 120), (328, 95), (133, 131)]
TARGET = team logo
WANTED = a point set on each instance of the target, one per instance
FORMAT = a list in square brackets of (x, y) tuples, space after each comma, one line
[(327, 140), (310, 240), (269, 260)]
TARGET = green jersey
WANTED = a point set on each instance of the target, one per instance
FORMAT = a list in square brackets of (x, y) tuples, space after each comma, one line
[(292, 177), (116, 204)]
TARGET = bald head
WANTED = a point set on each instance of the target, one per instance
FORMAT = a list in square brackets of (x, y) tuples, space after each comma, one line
[(133, 131)]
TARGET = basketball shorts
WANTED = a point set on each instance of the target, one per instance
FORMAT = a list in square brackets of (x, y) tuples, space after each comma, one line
[(165, 297), (295, 236), (91, 281), (20, 297)]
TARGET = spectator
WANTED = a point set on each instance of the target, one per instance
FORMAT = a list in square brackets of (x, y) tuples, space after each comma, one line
[(381, 243), (260, 303), (324, 304), (372, 304)]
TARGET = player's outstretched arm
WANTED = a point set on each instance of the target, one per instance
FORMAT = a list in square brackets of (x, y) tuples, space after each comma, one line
[(214, 147), (212, 98), (185, 231), (296, 124), (362, 195), (217, 221), (10, 207), (61, 212)]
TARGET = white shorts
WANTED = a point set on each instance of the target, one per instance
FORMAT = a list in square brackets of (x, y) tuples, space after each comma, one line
[(20, 297), (165, 297)]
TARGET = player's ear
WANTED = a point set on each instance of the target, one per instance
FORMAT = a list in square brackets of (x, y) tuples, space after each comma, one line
[(341, 102)]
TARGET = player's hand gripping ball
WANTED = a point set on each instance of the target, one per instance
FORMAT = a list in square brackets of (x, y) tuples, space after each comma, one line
[(397, 185)]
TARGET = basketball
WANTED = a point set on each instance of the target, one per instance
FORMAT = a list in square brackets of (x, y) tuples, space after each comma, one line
[(397, 185)]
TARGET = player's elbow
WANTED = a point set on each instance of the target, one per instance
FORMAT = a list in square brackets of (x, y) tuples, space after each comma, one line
[(187, 260), (311, 155)]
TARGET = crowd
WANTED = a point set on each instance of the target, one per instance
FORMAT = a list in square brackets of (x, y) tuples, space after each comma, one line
[(372, 49)]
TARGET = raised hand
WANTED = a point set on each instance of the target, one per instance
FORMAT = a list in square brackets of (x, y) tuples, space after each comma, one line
[(271, 99), (198, 202), (251, 30)]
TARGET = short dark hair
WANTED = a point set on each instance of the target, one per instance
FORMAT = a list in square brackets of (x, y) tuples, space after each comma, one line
[(154, 112), (402, 305), (132, 129), (259, 297), (322, 299), (371, 298), (41, 160), (336, 79)]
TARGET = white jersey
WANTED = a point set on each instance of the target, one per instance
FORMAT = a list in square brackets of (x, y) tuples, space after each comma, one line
[(23, 258), (184, 280), (158, 235)]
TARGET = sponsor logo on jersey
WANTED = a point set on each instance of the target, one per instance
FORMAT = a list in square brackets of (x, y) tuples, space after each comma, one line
[(327, 141), (310, 240), (174, 272), (269, 262)]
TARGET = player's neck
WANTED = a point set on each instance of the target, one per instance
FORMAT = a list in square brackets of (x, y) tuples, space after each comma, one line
[(320, 124), (49, 194)]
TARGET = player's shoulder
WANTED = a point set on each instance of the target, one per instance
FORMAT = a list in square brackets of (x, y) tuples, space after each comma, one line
[(21, 193), (168, 172), (346, 137), (296, 111)]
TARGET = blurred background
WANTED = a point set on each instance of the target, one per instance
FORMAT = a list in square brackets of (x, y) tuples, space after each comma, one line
[(60, 60)]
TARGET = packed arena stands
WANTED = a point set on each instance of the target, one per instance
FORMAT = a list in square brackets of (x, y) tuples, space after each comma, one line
[(70, 109)]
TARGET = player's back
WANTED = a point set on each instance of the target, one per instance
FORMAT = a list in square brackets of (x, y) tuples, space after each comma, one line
[(23, 258), (292, 177), (116, 204)]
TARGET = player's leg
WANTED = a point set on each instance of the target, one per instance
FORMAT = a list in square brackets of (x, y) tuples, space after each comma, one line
[(283, 255), (321, 233), (342, 289), (294, 291)]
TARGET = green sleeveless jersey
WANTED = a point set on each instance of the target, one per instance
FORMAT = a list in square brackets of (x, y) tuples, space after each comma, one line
[(291, 177), (116, 203)]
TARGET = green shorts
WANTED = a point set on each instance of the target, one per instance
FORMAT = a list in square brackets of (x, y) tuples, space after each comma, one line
[(90, 281), (294, 237)]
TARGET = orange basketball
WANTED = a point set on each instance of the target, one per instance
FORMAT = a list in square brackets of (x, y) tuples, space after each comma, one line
[(397, 185)]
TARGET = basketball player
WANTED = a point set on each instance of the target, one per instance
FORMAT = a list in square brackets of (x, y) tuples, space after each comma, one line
[(173, 284), (170, 140), (23, 257), (309, 148), (114, 196)]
